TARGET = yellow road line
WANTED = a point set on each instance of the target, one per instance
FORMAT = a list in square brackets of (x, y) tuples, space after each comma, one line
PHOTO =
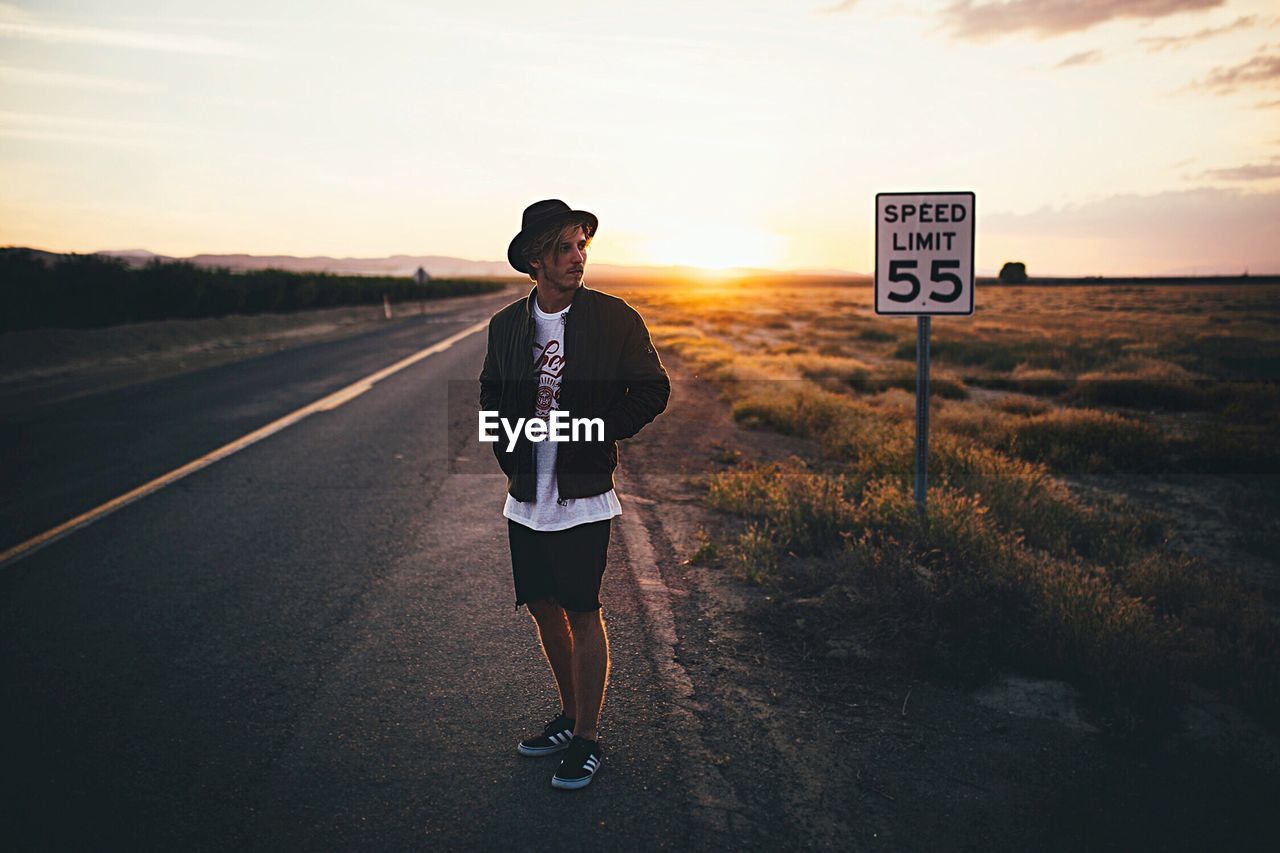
[(324, 404), (346, 395)]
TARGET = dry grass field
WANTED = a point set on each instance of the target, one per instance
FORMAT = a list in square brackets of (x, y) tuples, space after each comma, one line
[(1103, 493)]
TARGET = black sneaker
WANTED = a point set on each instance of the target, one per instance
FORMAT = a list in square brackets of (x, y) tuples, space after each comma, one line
[(555, 737), (580, 763)]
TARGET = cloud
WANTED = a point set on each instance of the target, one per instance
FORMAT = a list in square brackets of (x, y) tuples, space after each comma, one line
[(1085, 58), (1261, 70), (47, 127), (41, 77), (1207, 229), (1251, 172), (16, 23), (78, 138), (966, 19), (1158, 43)]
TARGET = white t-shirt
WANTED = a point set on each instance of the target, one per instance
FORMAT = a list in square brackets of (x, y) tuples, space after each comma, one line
[(548, 511)]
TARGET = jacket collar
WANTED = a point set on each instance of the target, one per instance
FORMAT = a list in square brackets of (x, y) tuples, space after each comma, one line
[(579, 297)]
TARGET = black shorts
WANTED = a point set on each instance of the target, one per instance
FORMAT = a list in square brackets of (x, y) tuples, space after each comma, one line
[(563, 565)]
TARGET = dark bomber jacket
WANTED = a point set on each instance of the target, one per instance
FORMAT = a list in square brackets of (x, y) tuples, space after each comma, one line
[(611, 371)]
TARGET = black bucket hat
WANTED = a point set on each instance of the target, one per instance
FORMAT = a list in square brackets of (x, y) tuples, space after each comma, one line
[(539, 216)]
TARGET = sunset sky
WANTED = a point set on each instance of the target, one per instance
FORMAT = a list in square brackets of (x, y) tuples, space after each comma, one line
[(1120, 137)]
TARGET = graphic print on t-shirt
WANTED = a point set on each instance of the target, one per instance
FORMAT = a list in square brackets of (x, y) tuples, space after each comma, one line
[(548, 363), (547, 511)]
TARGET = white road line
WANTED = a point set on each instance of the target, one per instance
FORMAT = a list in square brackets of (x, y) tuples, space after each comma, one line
[(324, 404)]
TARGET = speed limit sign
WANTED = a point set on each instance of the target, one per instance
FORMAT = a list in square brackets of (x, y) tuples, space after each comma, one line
[(924, 266), (924, 253)]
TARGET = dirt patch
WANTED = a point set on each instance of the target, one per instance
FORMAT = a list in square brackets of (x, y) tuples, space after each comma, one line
[(1228, 521), (1036, 698)]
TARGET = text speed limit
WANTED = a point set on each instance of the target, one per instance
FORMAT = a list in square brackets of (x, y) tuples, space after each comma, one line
[(924, 253)]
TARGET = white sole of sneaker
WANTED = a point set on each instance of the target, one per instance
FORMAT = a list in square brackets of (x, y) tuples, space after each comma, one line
[(546, 750), (571, 784)]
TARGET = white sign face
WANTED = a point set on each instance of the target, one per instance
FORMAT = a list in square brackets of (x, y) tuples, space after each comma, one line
[(924, 253)]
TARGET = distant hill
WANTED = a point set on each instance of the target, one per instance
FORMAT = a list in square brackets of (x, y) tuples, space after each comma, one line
[(438, 266), (443, 266)]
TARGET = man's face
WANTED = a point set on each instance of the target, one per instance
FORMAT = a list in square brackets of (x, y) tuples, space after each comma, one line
[(561, 269)]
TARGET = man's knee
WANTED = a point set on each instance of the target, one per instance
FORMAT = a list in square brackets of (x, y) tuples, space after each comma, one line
[(585, 620), (545, 608)]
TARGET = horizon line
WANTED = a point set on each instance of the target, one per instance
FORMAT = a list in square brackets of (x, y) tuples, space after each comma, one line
[(719, 272)]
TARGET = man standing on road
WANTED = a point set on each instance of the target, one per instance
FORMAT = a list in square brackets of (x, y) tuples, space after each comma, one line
[(587, 354)]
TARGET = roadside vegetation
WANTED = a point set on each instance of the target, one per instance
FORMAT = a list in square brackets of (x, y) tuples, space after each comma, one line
[(92, 291), (1011, 568)]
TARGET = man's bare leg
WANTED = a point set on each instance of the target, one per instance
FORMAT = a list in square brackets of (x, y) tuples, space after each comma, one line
[(590, 669), (557, 645)]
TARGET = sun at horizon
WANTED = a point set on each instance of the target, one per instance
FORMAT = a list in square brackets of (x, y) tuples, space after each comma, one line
[(712, 247)]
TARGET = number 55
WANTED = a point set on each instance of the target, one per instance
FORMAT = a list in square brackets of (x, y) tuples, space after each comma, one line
[(897, 272)]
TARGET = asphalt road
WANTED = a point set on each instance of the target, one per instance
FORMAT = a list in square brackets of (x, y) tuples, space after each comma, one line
[(310, 644)]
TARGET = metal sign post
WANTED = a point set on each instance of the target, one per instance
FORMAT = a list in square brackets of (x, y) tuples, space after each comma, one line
[(922, 410), (924, 266)]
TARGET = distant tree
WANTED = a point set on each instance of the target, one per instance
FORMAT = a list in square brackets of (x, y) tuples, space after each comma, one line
[(1013, 272), (88, 291)]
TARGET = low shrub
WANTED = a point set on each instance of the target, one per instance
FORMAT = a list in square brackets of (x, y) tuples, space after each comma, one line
[(1237, 356), (1137, 392), (805, 511), (980, 592), (1023, 494), (1021, 404), (1027, 499), (756, 555), (939, 386), (1089, 441), (875, 335), (1096, 631), (1224, 447), (709, 355), (707, 550), (1245, 402), (999, 355), (985, 425), (1026, 381)]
